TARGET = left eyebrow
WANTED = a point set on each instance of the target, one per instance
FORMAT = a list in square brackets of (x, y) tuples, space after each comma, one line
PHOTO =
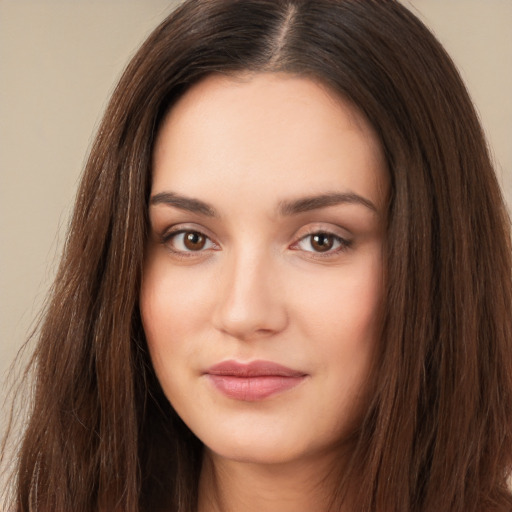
[(306, 204)]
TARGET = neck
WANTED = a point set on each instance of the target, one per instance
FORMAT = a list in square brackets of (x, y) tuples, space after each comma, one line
[(299, 486)]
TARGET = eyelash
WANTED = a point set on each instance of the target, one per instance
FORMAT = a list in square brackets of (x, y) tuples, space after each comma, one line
[(343, 243), (169, 236)]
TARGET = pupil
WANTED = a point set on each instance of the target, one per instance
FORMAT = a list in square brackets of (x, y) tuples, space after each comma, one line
[(322, 242), (194, 241)]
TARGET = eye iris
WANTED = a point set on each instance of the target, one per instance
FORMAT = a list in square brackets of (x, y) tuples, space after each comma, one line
[(194, 241), (322, 242)]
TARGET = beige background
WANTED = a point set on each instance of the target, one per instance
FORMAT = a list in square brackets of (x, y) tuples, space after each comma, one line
[(58, 63)]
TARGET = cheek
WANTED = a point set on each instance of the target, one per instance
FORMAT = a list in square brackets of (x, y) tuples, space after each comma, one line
[(340, 318), (344, 305), (174, 306)]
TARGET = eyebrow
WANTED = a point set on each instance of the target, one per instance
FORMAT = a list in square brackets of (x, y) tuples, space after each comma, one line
[(285, 208), (184, 203), (306, 204)]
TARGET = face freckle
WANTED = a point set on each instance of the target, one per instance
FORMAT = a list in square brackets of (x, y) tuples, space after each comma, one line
[(262, 283)]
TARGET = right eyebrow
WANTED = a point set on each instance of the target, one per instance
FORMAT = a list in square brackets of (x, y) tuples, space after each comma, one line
[(183, 203)]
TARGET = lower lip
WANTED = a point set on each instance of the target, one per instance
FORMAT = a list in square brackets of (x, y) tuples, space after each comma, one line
[(251, 389)]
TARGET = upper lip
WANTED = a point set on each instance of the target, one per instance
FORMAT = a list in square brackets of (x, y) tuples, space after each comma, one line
[(252, 369)]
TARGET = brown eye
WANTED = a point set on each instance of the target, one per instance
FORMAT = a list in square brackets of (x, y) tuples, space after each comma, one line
[(322, 242), (194, 241), (184, 241)]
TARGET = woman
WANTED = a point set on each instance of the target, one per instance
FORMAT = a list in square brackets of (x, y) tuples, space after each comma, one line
[(287, 280)]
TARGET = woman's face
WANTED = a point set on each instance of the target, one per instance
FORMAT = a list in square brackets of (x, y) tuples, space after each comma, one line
[(263, 274)]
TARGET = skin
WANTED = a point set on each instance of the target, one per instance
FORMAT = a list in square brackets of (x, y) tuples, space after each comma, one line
[(258, 288)]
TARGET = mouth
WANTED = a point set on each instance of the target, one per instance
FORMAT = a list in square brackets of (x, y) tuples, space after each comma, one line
[(253, 381)]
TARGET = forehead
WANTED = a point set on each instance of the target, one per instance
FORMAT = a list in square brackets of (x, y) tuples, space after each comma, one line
[(257, 130)]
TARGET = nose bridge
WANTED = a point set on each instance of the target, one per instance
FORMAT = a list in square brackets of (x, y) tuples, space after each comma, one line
[(250, 303)]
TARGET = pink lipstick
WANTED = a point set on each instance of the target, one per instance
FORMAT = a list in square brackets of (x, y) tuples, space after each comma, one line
[(253, 381)]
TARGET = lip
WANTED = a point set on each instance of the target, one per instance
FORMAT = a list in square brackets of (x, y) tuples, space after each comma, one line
[(253, 381)]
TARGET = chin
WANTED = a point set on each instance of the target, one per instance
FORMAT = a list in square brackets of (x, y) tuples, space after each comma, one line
[(255, 453), (265, 446)]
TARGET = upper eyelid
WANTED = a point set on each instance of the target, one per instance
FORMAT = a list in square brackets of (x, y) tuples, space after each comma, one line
[(183, 231), (342, 240), (325, 232), (173, 232), (183, 228), (319, 227)]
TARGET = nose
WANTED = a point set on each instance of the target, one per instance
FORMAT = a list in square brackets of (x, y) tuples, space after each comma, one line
[(252, 304)]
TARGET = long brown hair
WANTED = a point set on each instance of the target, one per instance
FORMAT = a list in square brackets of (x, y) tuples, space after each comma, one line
[(437, 434)]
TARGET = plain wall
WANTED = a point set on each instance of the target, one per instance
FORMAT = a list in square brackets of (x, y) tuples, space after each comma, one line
[(59, 61)]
